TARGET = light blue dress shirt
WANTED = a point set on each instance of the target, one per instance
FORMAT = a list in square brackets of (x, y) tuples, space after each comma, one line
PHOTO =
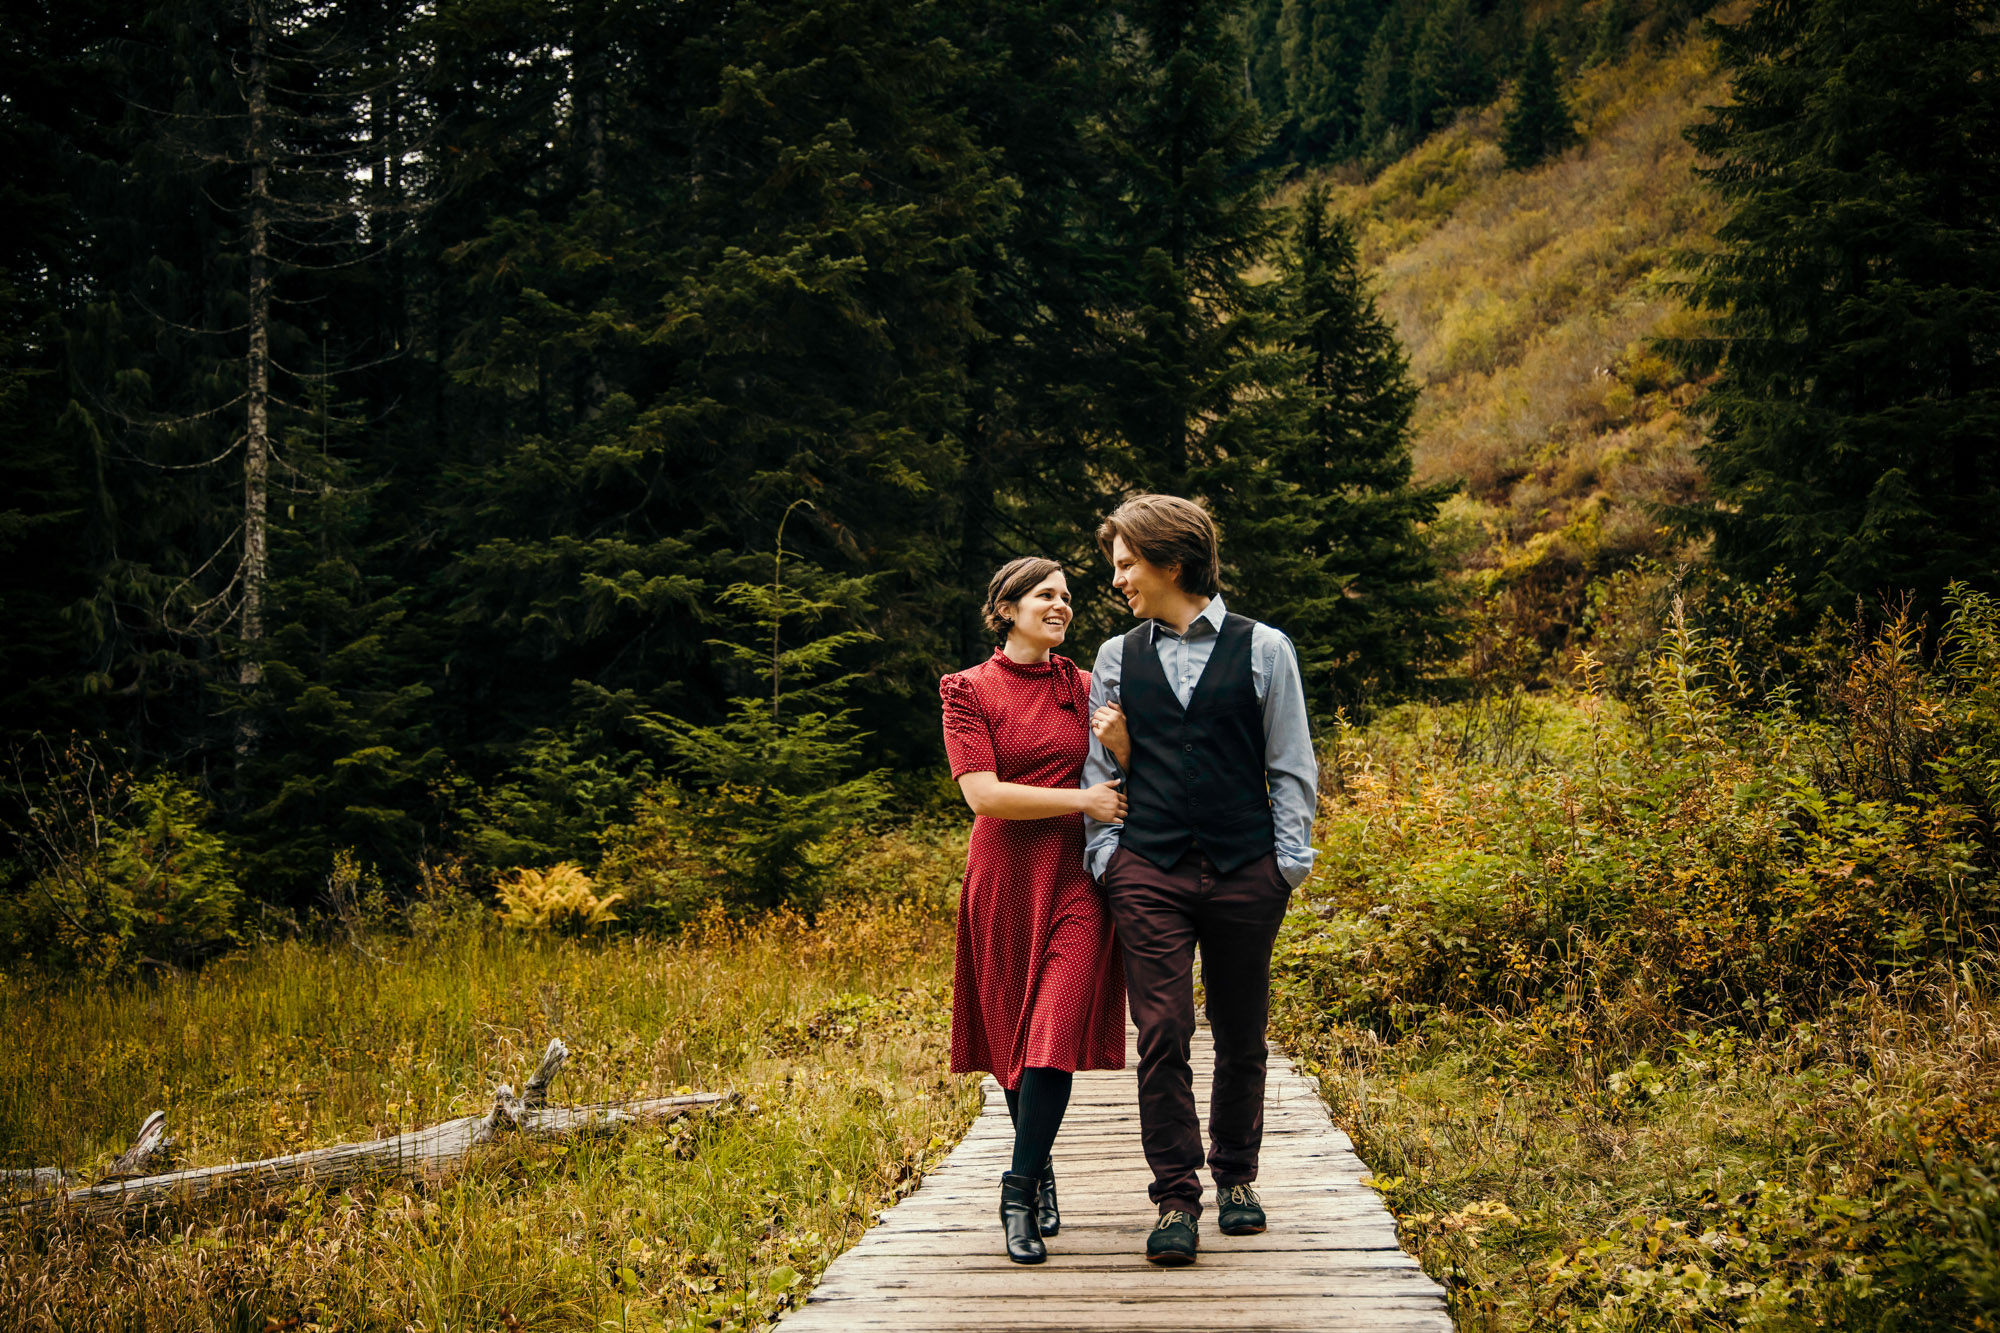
[(1290, 767)]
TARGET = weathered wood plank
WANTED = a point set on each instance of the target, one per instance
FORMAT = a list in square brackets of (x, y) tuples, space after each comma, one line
[(934, 1264)]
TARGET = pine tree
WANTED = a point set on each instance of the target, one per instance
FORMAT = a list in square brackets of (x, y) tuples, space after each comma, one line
[(1539, 124), (1188, 334), (1384, 92), (1448, 68), (1264, 57), (771, 790), (347, 761), (1324, 43), (1610, 33), (1854, 293), (1366, 607)]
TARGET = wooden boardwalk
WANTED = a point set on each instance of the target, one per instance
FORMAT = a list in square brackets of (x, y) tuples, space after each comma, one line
[(1330, 1260)]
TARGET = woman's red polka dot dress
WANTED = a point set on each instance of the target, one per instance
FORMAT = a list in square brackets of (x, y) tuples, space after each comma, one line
[(1039, 979)]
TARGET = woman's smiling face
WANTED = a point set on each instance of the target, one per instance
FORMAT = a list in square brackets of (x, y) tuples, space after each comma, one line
[(1041, 618)]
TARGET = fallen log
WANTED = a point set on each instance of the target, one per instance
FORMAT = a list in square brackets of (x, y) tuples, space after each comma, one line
[(424, 1150)]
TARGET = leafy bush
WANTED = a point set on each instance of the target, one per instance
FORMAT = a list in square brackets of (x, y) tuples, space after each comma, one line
[(1940, 1236), (1688, 852), (121, 874), (561, 898)]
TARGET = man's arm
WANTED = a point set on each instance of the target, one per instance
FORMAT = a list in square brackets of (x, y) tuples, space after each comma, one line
[(1290, 767), (1101, 840)]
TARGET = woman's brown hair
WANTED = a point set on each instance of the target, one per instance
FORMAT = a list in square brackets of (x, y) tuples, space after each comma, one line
[(1013, 581), (1167, 530)]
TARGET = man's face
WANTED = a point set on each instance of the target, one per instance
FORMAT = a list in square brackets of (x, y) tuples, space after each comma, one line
[(1146, 587)]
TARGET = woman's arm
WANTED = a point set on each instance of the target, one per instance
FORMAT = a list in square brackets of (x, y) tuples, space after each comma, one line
[(1108, 725), (989, 796)]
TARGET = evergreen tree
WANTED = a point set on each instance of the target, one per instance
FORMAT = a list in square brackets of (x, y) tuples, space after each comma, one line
[(1041, 77), (1264, 58), (1324, 43), (1366, 606), (1384, 92), (771, 791), (1192, 362), (1854, 294), (1609, 34), (60, 110), (346, 760), (1448, 67), (1539, 124)]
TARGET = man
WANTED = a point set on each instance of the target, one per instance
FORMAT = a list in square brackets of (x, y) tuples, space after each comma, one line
[(1220, 781)]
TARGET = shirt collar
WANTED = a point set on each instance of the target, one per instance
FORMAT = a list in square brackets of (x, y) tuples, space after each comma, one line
[(1211, 614)]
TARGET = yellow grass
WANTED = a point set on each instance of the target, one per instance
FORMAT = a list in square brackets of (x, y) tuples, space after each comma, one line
[(835, 1034)]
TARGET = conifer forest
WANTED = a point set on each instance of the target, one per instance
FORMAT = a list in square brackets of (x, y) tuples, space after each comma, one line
[(488, 489)]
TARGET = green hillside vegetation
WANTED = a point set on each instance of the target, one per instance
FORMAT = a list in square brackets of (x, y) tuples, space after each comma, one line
[(1527, 301)]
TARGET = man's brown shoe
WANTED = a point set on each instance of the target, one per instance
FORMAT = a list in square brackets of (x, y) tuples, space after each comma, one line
[(1238, 1212), (1172, 1243)]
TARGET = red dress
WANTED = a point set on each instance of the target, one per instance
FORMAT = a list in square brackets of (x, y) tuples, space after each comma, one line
[(1039, 981)]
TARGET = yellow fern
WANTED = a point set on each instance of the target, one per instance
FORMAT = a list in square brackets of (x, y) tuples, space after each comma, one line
[(559, 898)]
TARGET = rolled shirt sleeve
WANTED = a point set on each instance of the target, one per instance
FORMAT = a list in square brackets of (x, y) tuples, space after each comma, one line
[(1101, 840), (1290, 767)]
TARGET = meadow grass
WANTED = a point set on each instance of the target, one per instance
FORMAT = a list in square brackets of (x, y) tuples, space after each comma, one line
[(833, 1033)]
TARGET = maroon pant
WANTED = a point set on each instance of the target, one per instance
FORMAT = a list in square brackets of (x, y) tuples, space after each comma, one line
[(1162, 917)]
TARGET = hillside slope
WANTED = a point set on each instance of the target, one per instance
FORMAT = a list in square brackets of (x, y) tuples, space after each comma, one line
[(1526, 301)]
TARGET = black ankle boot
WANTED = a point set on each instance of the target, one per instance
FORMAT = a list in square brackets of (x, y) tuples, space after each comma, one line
[(1048, 1217), (1017, 1219)]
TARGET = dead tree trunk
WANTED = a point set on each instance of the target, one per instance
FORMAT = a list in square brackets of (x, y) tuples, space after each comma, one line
[(257, 436), (436, 1148)]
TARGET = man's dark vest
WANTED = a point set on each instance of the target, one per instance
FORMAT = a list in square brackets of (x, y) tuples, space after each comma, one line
[(1197, 774)]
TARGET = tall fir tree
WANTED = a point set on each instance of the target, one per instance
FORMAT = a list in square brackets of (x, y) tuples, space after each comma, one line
[(1194, 374), (1384, 91), (1539, 124), (1854, 293), (1366, 604), (1264, 57), (1449, 68), (1037, 80), (1324, 43), (1610, 33)]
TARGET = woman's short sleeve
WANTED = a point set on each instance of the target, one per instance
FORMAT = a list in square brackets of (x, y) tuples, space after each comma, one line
[(968, 740)]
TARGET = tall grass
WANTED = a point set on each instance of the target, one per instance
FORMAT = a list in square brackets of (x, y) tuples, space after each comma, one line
[(834, 1034)]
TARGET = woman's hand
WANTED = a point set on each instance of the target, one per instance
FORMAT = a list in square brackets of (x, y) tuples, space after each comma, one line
[(1104, 802), (1108, 725)]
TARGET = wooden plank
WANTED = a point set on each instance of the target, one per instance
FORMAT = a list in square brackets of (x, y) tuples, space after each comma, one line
[(935, 1263)]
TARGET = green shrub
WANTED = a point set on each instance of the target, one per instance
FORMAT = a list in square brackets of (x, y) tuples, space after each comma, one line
[(1939, 1231), (124, 875), (1712, 846)]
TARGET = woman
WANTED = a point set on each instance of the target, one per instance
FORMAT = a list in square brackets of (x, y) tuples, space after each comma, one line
[(1040, 985)]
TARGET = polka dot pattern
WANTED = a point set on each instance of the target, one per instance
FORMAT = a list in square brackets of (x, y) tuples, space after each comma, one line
[(1039, 981)]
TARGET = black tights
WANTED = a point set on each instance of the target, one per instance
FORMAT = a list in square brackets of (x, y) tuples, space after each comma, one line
[(1037, 1111)]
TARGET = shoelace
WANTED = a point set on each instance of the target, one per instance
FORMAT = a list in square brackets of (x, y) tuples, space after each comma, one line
[(1241, 1194), (1168, 1219)]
